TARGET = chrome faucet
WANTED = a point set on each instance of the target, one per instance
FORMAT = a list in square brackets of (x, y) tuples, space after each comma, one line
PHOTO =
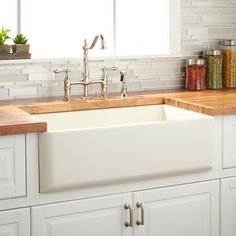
[(86, 48), (85, 81)]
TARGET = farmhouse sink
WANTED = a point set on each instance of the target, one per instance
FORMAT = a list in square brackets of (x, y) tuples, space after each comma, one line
[(106, 146)]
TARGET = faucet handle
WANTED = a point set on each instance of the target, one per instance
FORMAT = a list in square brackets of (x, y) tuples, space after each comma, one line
[(67, 83), (56, 71), (104, 69)]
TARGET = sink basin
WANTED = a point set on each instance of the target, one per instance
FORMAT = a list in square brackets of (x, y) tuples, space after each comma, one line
[(106, 146)]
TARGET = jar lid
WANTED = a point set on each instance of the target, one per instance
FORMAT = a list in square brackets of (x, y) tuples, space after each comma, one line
[(199, 62), (229, 42), (214, 52)]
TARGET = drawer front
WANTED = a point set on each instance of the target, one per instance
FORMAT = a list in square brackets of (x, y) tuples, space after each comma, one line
[(12, 166), (229, 141), (15, 222)]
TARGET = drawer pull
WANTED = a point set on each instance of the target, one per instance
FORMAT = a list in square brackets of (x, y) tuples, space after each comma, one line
[(140, 221), (128, 223)]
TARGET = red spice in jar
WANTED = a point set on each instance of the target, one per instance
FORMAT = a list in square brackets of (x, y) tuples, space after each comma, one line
[(195, 70)]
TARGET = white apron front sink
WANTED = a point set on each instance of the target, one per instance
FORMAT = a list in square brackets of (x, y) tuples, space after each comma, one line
[(106, 146)]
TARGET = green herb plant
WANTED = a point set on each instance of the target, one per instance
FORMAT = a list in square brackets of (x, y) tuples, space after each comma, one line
[(4, 35), (20, 39)]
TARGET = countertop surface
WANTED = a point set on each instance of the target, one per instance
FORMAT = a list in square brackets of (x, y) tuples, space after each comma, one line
[(16, 118), (13, 120)]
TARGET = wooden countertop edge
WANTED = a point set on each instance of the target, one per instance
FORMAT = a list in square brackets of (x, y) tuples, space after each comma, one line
[(23, 128), (13, 120), (207, 110)]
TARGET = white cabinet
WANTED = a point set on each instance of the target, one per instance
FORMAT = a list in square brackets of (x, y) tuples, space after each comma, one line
[(229, 141), (228, 207), (188, 210), (103, 216), (12, 166), (15, 222)]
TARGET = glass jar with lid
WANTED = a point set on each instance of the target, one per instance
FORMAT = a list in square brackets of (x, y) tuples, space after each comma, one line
[(229, 63), (213, 59), (195, 74)]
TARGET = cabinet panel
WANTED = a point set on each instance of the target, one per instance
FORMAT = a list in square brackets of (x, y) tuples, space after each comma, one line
[(12, 166), (229, 141), (228, 207), (104, 216), (15, 222), (188, 210)]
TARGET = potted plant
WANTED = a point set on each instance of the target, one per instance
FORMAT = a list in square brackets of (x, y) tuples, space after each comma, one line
[(4, 48), (20, 45)]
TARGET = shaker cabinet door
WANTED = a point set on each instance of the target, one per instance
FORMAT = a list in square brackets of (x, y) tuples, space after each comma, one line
[(102, 216), (228, 207), (12, 166), (188, 210), (15, 222), (229, 141)]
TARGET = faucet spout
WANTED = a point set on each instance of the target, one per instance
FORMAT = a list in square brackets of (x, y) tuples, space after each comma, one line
[(85, 60), (103, 44)]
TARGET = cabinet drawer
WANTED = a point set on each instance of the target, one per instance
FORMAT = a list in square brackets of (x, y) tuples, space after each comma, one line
[(12, 166), (15, 222), (229, 141)]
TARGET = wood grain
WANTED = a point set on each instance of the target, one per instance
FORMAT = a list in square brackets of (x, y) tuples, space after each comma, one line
[(210, 102), (15, 121)]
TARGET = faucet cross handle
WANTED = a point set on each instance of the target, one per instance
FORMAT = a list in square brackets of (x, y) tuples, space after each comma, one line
[(104, 69), (56, 71)]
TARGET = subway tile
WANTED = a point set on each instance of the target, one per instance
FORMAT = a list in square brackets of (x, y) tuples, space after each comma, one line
[(13, 78), (35, 69), (23, 91), (41, 76)]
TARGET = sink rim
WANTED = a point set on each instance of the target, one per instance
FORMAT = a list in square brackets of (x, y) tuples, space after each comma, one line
[(190, 115)]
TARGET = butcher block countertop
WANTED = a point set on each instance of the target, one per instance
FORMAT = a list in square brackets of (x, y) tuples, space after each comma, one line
[(16, 118), (15, 121)]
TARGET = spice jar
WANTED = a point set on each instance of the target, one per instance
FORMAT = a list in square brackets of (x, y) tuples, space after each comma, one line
[(229, 63), (213, 59), (195, 71)]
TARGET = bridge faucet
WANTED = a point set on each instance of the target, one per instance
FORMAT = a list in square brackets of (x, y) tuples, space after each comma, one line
[(85, 49), (85, 81)]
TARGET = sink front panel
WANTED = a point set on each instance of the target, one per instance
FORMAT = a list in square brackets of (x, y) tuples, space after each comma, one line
[(105, 155)]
